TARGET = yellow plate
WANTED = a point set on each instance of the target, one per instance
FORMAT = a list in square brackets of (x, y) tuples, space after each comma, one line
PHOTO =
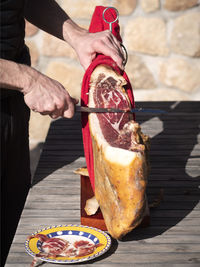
[(70, 233)]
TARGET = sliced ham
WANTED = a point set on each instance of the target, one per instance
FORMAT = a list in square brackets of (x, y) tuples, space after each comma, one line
[(120, 154)]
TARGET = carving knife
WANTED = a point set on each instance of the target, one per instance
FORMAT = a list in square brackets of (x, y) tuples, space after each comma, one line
[(116, 110)]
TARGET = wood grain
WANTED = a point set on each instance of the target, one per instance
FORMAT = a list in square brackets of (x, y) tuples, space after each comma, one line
[(173, 237)]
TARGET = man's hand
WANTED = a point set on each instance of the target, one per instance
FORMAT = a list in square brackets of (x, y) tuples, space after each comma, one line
[(87, 45), (59, 24), (48, 97), (101, 42), (41, 93)]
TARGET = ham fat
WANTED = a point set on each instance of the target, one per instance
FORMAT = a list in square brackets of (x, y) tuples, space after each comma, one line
[(120, 154)]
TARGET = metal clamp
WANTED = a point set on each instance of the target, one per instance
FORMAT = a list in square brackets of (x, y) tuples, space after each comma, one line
[(110, 22), (110, 28)]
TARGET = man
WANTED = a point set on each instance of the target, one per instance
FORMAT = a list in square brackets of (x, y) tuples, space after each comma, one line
[(23, 87)]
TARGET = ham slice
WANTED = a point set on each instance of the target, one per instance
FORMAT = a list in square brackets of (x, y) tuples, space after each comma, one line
[(120, 154)]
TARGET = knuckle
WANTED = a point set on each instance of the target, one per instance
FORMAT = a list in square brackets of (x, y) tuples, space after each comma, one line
[(97, 42), (60, 104), (49, 107)]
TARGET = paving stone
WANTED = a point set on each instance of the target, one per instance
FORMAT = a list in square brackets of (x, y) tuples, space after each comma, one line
[(139, 74), (54, 47), (150, 5), (185, 38), (147, 35), (34, 52), (82, 9), (68, 75), (125, 7), (177, 5), (180, 73)]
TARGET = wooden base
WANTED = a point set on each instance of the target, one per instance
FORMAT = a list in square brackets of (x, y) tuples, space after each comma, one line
[(97, 220)]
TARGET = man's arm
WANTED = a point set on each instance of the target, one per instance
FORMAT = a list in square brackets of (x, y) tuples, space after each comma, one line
[(49, 16), (41, 93), (46, 15)]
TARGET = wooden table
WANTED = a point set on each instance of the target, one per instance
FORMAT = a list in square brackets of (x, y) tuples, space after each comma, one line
[(173, 238)]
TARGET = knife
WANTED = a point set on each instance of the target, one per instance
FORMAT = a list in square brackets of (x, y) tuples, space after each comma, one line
[(116, 110)]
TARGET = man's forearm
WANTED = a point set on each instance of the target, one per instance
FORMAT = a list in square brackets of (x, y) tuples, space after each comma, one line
[(41, 93), (47, 15), (50, 17), (14, 76)]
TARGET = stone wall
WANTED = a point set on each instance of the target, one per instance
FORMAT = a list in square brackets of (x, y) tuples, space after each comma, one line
[(162, 38)]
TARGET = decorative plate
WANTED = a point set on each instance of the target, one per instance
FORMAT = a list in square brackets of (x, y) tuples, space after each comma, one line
[(73, 234)]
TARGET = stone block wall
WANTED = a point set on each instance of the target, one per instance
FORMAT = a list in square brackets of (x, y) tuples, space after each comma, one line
[(162, 38)]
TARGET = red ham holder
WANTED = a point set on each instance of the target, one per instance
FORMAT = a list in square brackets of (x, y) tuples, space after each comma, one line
[(103, 18)]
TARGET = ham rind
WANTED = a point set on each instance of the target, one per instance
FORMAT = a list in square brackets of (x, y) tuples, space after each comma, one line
[(120, 155)]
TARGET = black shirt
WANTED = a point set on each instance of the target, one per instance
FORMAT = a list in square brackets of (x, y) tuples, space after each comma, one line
[(12, 32)]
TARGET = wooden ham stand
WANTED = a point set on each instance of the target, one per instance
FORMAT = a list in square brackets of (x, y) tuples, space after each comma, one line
[(97, 220)]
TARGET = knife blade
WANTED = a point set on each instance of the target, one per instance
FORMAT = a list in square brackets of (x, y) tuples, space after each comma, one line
[(116, 110)]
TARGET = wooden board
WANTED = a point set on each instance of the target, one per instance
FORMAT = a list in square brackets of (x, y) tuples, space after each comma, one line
[(97, 219), (173, 236)]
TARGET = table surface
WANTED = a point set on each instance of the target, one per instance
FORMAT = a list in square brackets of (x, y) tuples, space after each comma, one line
[(173, 237)]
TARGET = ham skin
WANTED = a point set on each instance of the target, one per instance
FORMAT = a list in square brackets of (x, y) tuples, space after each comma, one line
[(120, 153)]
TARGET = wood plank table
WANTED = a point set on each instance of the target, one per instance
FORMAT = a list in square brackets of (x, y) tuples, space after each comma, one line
[(173, 237)]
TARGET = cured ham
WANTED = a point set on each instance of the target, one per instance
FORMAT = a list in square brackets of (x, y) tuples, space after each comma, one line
[(53, 247), (120, 154)]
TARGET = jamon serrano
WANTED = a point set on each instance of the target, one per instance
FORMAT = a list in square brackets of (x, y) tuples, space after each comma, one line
[(53, 247), (120, 154)]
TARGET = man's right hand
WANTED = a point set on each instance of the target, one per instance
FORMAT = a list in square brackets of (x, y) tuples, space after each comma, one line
[(41, 93), (48, 97)]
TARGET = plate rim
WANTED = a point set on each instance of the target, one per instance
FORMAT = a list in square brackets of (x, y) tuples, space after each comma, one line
[(87, 258)]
